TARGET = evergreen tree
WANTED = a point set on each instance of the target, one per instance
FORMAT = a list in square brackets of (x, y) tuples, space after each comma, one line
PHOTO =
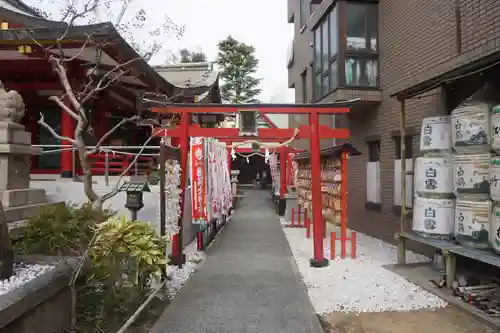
[(237, 65), (192, 56)]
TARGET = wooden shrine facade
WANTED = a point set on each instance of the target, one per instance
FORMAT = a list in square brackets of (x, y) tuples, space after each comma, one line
[(26, 41)]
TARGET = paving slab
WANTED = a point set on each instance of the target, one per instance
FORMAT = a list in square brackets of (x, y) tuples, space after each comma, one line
[(248, 283)]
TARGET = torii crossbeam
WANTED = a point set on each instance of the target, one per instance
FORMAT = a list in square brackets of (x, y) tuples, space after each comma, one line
[(314, 132)]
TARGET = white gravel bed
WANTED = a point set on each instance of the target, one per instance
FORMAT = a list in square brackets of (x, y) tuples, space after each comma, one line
[(179, 276), (361, 284), (23, 273)]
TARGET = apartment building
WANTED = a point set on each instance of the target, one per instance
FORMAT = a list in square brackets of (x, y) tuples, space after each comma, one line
[(432, 54)]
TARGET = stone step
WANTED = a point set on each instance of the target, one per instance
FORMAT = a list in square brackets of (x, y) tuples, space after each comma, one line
[(14, 214)]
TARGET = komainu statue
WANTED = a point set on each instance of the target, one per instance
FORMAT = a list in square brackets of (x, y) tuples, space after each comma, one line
[(11, 105)]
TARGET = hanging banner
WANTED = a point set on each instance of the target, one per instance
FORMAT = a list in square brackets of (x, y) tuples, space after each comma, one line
[(273, 165), (198, 181)]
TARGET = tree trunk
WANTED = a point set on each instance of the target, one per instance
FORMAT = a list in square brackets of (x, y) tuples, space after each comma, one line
[(6, 251)]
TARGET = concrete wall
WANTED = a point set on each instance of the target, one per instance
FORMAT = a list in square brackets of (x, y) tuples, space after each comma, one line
[(70, 191), (42, 305)]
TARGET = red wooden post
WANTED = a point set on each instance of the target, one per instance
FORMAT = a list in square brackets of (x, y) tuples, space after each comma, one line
[(333, 239), (184, 150), (67, 130), (229, 157), (343, 204), (298, 214), (289, 169), (200, 241), (282, 201), (308, 224), (319, 259), (353, 244)]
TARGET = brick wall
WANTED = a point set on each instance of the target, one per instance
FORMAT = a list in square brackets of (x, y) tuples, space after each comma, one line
[(417, 41), (414, 39)]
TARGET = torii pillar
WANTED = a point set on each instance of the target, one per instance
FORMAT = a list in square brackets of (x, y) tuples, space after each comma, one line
[(283, 189)]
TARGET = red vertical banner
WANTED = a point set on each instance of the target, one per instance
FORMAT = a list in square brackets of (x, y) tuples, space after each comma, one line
[(198, 181), (290, 176)]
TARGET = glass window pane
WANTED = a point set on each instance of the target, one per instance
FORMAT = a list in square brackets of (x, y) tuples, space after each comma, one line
[(356, 26), (334, 32), (333, 76), (372, 27), (361, 72), (317, 86), (324, 43), (317, 49), (325, 85), (303, 12)]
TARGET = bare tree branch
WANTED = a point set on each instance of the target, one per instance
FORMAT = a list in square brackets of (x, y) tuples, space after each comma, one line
[(60, 103), (60, 69), (111, 131), (53, 132)]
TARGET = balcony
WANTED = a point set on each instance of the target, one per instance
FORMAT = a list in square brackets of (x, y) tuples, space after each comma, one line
[(346, 54)]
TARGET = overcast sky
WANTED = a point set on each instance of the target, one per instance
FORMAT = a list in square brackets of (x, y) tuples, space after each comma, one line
[(261, 23)]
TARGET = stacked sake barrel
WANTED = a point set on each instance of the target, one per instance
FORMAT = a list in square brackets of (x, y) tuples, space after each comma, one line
[(471, 140), (495, 180), (434, 203)]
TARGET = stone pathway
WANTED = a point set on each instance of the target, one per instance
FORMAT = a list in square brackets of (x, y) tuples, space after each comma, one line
[(248, 283)]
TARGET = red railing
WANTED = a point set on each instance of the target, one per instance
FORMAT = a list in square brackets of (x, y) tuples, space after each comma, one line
[(100, 164)]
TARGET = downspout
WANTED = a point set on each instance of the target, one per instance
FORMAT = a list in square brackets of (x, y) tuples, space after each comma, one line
[(401, 240), (403, 166)]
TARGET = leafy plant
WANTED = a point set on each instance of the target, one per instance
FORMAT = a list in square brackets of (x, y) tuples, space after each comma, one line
[(58, 230), (129, 249), (123, 256)]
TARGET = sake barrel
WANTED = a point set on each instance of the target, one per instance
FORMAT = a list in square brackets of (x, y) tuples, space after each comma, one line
[(434, 218), (472, 223)]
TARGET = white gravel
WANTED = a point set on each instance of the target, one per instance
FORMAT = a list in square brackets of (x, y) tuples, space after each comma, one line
[(179, 276), (362, 284), (23, 273)]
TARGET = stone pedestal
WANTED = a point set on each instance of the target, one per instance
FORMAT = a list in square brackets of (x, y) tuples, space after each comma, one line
[(19, 201)]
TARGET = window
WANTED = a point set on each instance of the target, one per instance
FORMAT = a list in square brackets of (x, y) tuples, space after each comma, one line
[(373, 189), (303, 13), (361, 58), (398, 188), (361, 72), (333, 75), (373, 151), (362, 27), (317, 50), (303, 78), (334, 36), (408, 147), (325, 55)]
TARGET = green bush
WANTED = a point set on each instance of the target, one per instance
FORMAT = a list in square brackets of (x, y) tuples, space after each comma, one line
[(57, 230), (124, 257)]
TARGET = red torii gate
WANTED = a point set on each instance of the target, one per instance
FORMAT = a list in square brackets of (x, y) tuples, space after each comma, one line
[(314, 132)]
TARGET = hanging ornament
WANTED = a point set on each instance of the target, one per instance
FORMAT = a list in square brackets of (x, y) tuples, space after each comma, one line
[(233, 154), (266, 159), (172, 196), (248, 160)]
